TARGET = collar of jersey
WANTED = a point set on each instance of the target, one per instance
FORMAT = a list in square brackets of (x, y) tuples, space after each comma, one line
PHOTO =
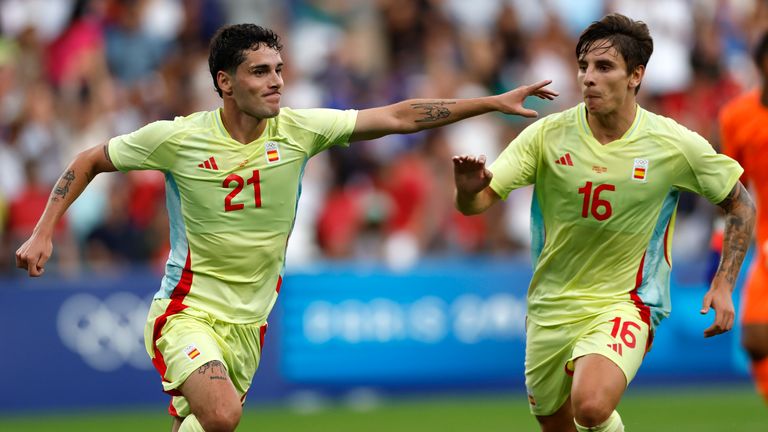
[(582, 114), (219, 126)]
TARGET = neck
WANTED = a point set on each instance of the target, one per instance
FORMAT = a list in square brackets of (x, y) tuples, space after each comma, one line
[(609, 127), (242, 127)]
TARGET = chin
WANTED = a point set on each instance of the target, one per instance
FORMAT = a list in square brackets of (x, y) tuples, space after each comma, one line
[(269, 112), (593, 108)]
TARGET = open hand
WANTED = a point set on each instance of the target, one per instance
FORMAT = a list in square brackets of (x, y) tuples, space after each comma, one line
[(512, 101), (470, 174)]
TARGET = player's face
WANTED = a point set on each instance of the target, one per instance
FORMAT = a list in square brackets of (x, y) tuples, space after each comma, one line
[(606, 85), (258, 83)]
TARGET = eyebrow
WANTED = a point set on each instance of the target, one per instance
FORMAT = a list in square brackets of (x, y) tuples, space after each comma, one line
[(599, 62), (265, 66)]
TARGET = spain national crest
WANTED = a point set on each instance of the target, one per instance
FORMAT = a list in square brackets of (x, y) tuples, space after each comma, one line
[(272, 151), (191, 351), (640, 170)]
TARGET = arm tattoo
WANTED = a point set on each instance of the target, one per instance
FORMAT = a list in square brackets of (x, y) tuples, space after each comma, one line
[(433, 111), (216, 368), (62, 188), (106, 152), (739, 223)]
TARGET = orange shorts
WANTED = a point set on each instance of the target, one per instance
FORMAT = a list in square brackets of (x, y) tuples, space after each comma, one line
[(754, 300)]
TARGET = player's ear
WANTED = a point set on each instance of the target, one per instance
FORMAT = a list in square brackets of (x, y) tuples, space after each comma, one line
[(636, 77), (224, 80)]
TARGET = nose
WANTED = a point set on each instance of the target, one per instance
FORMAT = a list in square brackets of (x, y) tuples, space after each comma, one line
[(277, 81), (587, 77)]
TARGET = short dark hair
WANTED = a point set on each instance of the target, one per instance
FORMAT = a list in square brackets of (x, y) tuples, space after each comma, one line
[(760, 51), (230, 43), (629, 37)]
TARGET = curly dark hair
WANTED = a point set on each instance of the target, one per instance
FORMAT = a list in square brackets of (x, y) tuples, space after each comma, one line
[(629, 37), (230, 43)]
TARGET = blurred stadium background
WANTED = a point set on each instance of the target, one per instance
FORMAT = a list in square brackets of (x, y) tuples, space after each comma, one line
[(397, 313)]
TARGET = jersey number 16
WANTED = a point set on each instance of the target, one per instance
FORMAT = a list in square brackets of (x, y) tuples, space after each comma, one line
[(600, 209)]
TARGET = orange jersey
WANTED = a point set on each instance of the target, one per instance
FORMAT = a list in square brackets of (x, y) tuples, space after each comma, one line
[(744, 137)]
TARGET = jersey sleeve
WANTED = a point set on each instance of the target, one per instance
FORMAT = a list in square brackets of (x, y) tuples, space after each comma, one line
[(145, 148), (706, 172), (323, 127), (517, 165)]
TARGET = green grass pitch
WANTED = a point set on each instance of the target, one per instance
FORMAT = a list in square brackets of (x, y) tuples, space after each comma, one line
[(706, 409)]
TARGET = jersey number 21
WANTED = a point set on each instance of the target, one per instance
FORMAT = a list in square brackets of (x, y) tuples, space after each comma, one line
[(239, 183)]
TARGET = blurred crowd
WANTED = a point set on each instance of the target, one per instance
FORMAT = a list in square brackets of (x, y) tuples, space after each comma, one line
[(74, 73)]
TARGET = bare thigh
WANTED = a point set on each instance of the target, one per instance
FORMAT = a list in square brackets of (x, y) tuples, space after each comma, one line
[(211, 395), (560, 421), (598, 385)]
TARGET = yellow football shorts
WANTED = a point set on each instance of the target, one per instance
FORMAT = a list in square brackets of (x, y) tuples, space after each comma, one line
[(180, 339), (620, 335)]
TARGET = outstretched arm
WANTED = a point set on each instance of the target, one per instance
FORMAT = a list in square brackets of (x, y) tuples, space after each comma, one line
[(739, 223), (34, 253), (473, 193), (418, 114)]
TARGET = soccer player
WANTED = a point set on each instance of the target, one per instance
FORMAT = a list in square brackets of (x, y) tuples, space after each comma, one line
[(745, 138), (233, 179), (607, 177)]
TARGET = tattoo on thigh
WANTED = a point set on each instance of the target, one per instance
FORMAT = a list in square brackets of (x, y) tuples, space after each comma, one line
[(217, 370)]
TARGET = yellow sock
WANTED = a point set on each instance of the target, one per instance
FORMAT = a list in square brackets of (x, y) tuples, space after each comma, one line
[(612, 424), (190, 424)]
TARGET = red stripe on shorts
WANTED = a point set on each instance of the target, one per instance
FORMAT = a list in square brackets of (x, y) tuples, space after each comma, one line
[(175, 306), (645, 311), (262, 333)]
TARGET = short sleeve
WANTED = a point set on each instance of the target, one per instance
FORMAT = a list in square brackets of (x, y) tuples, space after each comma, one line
[(145, 148), (706, 172), (322, 127), (518, 163)]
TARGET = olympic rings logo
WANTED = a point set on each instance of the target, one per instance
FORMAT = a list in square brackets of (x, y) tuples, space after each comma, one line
[(107, 333)]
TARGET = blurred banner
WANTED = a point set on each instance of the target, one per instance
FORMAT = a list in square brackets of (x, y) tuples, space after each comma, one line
[(446, 325)]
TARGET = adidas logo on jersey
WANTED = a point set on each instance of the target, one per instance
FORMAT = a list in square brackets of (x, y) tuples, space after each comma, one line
[(209, 164), (565, 160), (617, 347)]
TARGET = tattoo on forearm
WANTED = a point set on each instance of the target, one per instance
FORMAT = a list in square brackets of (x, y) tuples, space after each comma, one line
[(432, 111), (62, 188), (106, 152), (739, 223), (216, 369)]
